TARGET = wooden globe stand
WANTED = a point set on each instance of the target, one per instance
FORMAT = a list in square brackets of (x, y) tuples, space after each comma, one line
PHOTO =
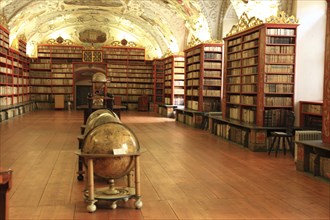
[(112, 193)]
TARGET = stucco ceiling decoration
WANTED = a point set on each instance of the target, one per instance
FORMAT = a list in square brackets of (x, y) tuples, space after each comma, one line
[(92, 36), (157, 25)]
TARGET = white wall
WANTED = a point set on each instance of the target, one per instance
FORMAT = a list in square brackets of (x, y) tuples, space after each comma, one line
[(310, 51)]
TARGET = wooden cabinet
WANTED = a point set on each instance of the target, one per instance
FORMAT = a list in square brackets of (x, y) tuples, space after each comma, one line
[(259, 74), (310, 114), (174, 80), (203, 77)]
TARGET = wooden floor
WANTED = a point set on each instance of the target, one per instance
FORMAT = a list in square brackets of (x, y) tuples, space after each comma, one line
[(186, 173)]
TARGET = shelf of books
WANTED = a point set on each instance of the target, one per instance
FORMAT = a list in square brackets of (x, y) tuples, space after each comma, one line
[(311, 114), (14, 78), (259, 75), (174, 80), (52, 73), (158, 77), (6, 77), (130, 75), (203, 77)]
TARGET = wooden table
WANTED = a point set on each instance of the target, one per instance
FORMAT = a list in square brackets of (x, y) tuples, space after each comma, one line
[(5, 185)]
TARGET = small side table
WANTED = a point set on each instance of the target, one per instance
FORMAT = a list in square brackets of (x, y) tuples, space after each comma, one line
[(5, 186)]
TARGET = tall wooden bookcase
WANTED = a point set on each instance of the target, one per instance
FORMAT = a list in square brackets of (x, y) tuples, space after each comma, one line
[(158, 77), (131, 76), (203, 77), (52, 73), (14, 76), (259, 74), (259, 80), (174, 80)]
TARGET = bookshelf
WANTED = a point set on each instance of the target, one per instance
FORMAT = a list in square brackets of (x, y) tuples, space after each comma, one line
[(310, 114), (14, 78), (131, 76), (174, 80), (158, 77), (259, 79), (203, 77), (259, 74), (51, 73)]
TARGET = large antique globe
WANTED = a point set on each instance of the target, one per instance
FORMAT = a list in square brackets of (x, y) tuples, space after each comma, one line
[(113, 143), (100, 117)]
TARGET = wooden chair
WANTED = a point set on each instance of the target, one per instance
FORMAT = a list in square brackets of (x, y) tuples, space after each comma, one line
[(284, 136), (118, 101)]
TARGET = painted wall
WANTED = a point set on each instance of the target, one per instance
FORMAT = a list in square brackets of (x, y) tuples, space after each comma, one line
[(310, 51)]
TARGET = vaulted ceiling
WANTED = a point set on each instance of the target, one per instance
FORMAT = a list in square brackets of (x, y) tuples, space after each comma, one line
[(157, 25)]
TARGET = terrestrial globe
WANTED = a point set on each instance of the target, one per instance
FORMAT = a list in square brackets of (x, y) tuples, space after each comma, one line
[(106, 140)]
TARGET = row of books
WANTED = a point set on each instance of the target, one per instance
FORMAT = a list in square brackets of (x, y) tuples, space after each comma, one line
[(279, 88), (312, 108), (5, 70), (12, 80), (123, 57), (139, 85), (7, 90), (250, 44), (4, 44), (47, 89), (280, 49), (4, 101), (280, 31), (251, 36), (279, 58), (278, 101), (49, 82), (178, 100), (250, 52), (279, 78), (212, 65), (235, 48), (282, 68), (280, 40)]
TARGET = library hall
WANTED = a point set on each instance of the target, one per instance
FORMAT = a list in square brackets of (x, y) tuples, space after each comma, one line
[(164, 109)]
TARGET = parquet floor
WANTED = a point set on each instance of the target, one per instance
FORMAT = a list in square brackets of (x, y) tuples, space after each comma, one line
[(186, 173)]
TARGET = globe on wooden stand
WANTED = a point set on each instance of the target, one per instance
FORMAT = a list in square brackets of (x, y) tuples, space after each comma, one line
[(111, 151)]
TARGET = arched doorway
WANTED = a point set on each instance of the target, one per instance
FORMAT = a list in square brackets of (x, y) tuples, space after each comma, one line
[(82, 73)]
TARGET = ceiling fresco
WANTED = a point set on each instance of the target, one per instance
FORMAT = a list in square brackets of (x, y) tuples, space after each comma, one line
[(160, 26)]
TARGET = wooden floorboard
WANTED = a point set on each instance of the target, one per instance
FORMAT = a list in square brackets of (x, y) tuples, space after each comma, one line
[(186, 173)]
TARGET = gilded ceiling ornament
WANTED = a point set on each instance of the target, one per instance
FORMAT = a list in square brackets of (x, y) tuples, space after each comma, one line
[(194, 41), (244, 23), (123, 42), (282, 18), (167, 53), (60, 40), (4, 21), (22, 37)]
